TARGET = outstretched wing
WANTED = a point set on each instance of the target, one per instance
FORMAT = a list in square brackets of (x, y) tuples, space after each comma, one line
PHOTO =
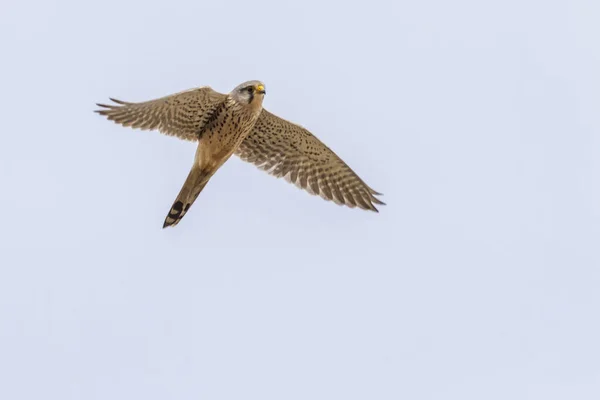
[(288, 150), (182, 114)]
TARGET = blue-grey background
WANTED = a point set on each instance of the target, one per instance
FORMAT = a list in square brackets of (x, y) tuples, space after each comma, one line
[(480, 279)]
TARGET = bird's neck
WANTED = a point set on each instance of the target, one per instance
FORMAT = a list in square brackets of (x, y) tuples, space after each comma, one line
[(254, 107)]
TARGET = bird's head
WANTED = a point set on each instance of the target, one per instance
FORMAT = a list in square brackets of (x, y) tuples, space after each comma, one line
[(251, 92)]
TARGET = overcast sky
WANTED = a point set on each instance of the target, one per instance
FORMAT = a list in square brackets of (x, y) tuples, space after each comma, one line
[(480, 279)]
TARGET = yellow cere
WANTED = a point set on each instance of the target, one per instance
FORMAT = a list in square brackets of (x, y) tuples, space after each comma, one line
[(260, 88)]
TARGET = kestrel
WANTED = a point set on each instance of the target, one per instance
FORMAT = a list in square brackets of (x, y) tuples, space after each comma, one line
[(236, 123)]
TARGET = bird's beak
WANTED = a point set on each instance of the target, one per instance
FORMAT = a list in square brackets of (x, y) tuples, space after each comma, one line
[(261, 89)]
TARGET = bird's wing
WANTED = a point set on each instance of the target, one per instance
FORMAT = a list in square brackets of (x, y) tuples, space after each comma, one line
[(182, 114), (288, 150)]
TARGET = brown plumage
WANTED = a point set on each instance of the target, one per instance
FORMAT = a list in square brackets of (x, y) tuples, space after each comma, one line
[(236, 123), (288, 150), (182, 114)]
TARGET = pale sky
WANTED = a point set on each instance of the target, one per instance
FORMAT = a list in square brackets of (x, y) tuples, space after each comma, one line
[(479, 280)]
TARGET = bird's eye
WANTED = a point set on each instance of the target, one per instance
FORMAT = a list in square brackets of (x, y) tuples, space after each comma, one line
[(250, 89)]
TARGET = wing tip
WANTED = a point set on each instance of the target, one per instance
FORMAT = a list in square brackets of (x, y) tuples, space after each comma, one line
[(377, 201), (119, 101), (371, 202), (104, 108), (108, 107)]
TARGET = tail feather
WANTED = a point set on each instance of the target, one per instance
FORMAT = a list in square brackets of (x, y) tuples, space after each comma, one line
[(195, 182)]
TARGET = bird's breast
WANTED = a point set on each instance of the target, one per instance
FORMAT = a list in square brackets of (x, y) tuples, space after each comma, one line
[(231, 127)]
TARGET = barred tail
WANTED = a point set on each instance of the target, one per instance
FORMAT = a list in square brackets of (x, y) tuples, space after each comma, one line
[(192, 187)]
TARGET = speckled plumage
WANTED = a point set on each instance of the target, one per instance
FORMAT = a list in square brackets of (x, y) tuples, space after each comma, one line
[(236, 123), (182, 114), (288, 150)]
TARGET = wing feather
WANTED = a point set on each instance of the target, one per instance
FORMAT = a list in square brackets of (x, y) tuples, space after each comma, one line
[(182, 114), (285, 149)]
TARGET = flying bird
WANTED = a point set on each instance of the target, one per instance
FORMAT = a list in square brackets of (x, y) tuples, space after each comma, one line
[(236, 123)]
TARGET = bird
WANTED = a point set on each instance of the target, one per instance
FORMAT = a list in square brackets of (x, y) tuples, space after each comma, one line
[(236, 123)]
